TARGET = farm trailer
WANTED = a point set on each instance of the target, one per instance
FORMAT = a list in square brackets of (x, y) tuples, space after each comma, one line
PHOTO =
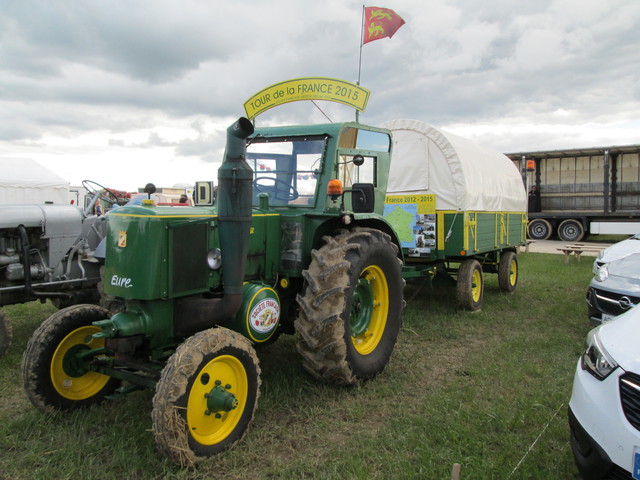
[(469, 204)]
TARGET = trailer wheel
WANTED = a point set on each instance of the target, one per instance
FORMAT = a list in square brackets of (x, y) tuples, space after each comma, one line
[(571, 230), (508, 272), (206, 396), (5, 334), (54, 375), (351, 307), (539, 229), (470, 285)]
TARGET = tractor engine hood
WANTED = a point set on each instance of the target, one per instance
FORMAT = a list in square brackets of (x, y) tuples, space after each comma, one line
[(135, 245)]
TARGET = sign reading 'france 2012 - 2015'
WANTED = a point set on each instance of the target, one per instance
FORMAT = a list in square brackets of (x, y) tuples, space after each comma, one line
[(309, 88)]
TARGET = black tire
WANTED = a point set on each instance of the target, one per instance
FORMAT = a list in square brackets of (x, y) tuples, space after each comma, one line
[(508, 272), (351, 307), (470, 285), (571, 230), (539, 229), (215, 361), (5, 333), (53, 381)]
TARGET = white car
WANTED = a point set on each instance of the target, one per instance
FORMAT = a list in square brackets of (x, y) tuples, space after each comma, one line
[(615, 287), (604, 411), (617, 251)]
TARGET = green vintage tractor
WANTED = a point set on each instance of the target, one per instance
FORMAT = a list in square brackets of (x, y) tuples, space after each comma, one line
[(295, 243)]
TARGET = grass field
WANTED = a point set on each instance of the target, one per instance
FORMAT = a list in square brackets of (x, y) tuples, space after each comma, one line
[(488, 390)]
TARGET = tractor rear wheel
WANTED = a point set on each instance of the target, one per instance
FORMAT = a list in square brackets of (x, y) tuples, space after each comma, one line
[(351, 307), (206, 396), (55, 369), (470, 285), (5, 333), (508, 272)]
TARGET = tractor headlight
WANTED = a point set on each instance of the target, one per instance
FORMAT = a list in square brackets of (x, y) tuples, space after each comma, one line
[(602, 273), (596, 360), (214, 258)]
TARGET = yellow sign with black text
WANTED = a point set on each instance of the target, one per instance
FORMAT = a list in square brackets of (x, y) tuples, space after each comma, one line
[(309, 88), (425, 204)]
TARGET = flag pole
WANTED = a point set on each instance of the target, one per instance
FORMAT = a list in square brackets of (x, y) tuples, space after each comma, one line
[(360, 56)]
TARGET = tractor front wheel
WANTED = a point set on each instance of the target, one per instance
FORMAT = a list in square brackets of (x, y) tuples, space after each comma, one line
[(55, 364), (206, 396), (5, 334), (351, 307)]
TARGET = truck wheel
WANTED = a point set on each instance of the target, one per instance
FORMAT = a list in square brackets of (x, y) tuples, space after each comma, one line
[(351, 307), (206, 396), (5, 334), (571, 230), (54, 376), (508, 272), (470, 285), (539, 229)]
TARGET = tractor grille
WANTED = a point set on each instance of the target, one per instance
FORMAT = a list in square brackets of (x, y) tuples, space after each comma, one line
[(611, 303), (630, 398), (189, 258)]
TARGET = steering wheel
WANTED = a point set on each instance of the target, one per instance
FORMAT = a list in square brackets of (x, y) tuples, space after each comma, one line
[(109, 196), (287, 193)]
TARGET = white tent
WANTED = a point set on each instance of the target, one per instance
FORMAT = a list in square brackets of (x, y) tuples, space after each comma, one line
[(24, 181), (462, 174)]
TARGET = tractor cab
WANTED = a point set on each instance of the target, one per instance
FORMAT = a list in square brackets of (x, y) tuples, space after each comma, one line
[(320, 167)]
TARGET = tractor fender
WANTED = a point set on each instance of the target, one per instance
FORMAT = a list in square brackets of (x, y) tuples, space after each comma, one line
[(379, 223)]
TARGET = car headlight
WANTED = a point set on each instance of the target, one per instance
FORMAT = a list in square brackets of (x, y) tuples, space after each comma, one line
[(602, 273), (596, 360)]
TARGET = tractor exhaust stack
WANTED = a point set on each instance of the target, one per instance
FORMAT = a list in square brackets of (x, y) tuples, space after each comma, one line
[(234, 224)]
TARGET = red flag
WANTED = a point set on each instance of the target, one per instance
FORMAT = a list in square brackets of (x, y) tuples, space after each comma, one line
[(380, 23)]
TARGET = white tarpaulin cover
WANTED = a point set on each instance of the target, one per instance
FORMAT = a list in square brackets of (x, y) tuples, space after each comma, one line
[(462, 174), (24, 181)]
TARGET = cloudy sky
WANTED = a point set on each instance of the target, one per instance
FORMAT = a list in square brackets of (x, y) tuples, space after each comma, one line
[(125, 93)]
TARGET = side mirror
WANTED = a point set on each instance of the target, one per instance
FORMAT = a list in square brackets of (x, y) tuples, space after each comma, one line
[(363, 197), (358, 160)]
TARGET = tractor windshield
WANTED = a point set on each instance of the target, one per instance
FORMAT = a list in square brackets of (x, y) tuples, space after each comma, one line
[(286, 169)]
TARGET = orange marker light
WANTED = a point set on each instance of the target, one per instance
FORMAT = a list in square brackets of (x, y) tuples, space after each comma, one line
[(531, 166), (334, 188)]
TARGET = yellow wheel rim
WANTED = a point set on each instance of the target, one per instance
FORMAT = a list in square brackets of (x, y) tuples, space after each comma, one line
[(513, 272), (476, 285), (370, 308), (76, 387), (210, 428)]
